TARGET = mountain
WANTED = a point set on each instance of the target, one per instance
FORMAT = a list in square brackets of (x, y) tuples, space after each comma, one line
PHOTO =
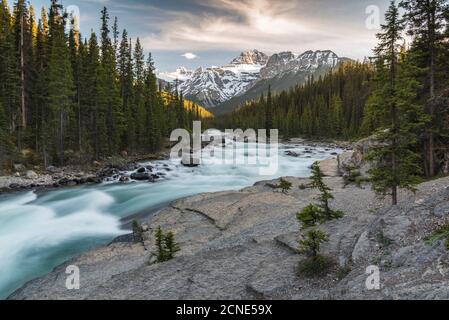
[(283, 71), (249, 75), (212, 86)]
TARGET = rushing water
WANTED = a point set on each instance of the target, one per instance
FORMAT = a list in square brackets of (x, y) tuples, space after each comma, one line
[(40, 230)]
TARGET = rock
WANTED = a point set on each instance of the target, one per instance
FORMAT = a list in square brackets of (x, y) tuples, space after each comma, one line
[(242, 245), (52, 169), (124, 179), (141, 174), (14, 186), (31, 175), (292, 154), (189, 164)]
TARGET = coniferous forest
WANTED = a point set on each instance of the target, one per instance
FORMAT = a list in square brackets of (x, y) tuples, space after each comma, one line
[(401, 94), (71, 98)]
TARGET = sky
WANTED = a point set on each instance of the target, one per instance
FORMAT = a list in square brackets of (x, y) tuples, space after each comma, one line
[(193, 33)]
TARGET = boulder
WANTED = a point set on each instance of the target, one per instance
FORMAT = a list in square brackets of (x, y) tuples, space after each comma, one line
[(291, 154), (141, 174), (31, 175), (52, 169)]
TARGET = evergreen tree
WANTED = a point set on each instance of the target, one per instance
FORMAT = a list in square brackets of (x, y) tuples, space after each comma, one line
[(171, 246), (269, 112), (325, 195), (396, 160), (425, 20), (111, 118), (60, 84)]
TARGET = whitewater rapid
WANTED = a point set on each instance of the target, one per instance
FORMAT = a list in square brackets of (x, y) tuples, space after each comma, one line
[(40, 230)]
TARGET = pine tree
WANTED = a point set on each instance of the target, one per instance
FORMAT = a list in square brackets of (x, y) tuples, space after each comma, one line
[(396, 161), (60, 84), (315, 264), (111, 118), (139, 96), (269, 112), (325, 195), (425, 20), (160, 246), (171, 247), (137, 232)]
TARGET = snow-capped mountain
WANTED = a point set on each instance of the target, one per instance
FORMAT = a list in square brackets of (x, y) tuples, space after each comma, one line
[(249, 72), (215, 85), (283, 63), (181, 74)]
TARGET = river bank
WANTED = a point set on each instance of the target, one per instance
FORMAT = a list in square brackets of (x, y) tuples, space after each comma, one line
[(37, 178), (242, 245), (68, 221)]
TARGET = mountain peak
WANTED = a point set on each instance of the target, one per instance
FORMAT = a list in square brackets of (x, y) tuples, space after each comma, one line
[(251, 57)]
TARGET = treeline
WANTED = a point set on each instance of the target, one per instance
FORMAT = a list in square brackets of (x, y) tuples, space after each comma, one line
[(331, 106), (65, 98), (401, 94)]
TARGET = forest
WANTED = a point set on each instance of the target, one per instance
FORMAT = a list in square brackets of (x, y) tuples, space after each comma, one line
[(400, 95), (66, 99)]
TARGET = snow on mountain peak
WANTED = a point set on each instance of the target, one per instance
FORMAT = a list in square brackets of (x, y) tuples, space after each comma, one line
[(214, 85), (251, 57)]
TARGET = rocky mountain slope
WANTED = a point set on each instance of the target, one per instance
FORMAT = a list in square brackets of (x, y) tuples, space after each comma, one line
[(242, 245), (250, 74)]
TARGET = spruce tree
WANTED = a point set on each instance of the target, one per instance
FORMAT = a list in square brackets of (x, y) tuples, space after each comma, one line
[(60, 84), (425, 21), (395, 158), (171, 246), (325, 194)]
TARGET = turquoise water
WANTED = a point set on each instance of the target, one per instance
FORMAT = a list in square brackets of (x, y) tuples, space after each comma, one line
[(40, 230)]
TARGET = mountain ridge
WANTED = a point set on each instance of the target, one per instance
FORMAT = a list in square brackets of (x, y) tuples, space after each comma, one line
[(220, 89)]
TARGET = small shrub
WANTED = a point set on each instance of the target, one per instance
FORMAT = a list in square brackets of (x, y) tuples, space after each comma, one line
[(342, 272), (440, 234), (137, 232), (318, 266), (170, 245), (284, 185), (311, 244), (383, 240), (303, 186), (309, 216), (165, 245)]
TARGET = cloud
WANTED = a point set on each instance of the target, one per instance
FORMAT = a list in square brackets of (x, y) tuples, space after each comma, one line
[(267, 25), (189, 56)]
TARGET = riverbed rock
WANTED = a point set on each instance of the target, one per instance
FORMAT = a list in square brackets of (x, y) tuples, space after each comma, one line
[(242, 245), (31, 175)]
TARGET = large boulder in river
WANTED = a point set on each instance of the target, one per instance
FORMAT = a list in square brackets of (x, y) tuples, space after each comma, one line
[(142, 174)]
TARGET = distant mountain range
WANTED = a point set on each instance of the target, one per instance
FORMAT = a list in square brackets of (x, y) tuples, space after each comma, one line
[(221, 89)]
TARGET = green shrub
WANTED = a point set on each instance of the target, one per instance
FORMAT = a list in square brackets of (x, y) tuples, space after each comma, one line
[(137, 232), (309, 216), (284, 185), (311, 244), (165, 245), (440, 234), (318, 266)]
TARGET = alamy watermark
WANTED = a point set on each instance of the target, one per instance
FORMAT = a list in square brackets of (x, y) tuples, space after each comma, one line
[(372, 21), (257, 148), (72, 281)]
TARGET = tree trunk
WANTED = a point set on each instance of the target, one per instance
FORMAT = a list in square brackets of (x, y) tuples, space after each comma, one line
[(22, 73)]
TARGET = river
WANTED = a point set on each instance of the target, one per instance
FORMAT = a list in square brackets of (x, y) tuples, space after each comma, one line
[(40, 230)]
